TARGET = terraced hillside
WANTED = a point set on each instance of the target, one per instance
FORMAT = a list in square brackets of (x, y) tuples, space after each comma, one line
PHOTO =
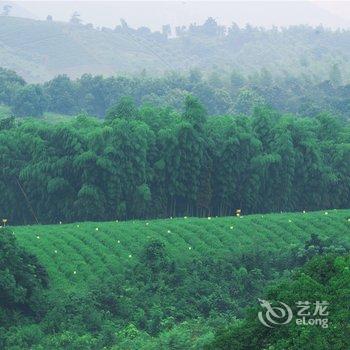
[(77, 253)]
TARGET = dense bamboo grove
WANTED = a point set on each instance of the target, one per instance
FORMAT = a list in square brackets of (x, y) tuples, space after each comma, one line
[(155, 162)]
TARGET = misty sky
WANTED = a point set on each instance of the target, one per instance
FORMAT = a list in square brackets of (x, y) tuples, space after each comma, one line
[(154, 14)]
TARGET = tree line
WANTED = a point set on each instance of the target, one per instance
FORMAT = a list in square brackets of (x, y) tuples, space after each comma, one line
[(219, 92), (157, 162)]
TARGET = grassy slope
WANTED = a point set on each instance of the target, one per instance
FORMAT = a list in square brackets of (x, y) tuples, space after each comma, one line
[(79, 247)]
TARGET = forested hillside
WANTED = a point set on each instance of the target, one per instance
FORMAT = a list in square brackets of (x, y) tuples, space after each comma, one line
[(40, 50)]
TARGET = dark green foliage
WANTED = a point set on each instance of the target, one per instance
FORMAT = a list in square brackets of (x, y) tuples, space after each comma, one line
[(124, 109), (194, 113), (10, 82), (29, 101), (153, 256), (61, 95), (22, 280), (324, 278), (154, 162), (7, 123)]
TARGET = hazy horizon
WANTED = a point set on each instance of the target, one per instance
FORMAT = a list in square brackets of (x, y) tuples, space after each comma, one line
[(154, 14)]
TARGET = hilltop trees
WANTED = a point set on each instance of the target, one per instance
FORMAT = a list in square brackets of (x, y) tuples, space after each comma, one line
[(29, 101), (61, 94), (125, 108), (10, 82)]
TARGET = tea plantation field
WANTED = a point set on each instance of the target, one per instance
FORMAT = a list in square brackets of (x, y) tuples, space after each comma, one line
[(77, 253)]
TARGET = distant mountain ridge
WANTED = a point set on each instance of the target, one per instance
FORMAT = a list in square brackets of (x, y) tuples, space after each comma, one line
[(40, 50)]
